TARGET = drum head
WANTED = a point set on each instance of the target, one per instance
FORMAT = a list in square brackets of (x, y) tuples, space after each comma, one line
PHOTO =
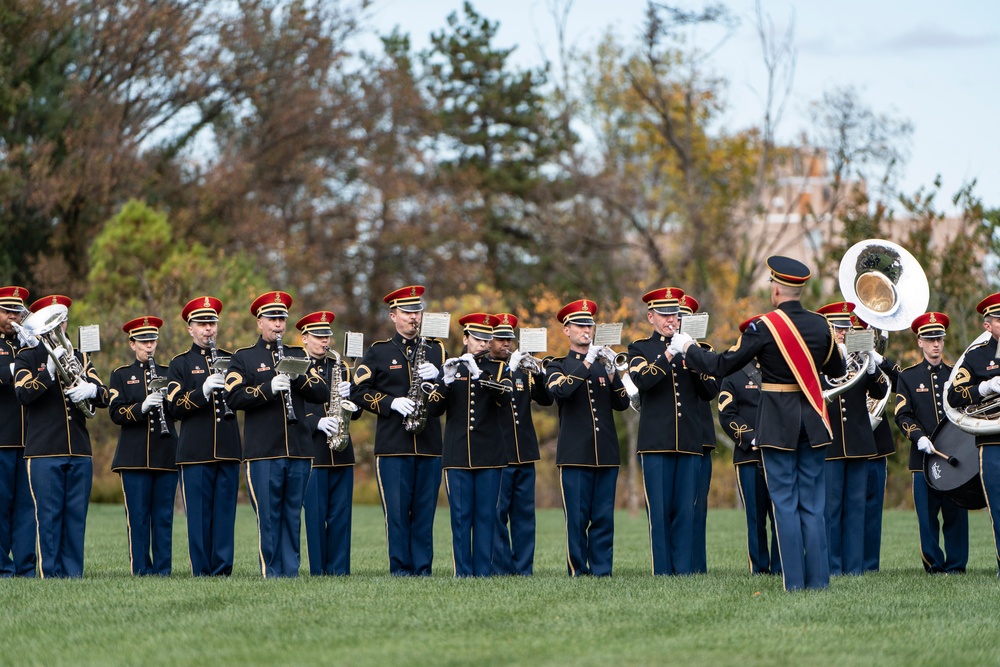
[(961, 482)]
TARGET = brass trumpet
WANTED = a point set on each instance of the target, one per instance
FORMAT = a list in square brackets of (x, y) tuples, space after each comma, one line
[(621, 365), (534, 365)]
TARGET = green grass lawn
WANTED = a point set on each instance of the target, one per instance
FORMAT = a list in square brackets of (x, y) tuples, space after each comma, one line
[(899, 616)]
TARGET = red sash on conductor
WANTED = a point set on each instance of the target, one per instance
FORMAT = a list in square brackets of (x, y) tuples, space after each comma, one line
[(797, 356)]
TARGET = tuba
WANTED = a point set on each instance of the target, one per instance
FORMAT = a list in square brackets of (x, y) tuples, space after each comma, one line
[(888, 288), (976, 419), (46, 325)]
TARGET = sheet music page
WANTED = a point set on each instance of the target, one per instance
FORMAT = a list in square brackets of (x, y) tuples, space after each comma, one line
[(90, 338), (859, 341), (354, 344), (695, 325), (534, 340), (609, 333), (436, 325)]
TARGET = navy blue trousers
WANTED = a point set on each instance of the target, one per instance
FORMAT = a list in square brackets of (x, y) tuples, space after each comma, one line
[(874, 502), (699, 557), (277, 491), (17, 516), (408, 487), (670, 483), (149, 519), (928, 503), (61, 486), (846, 485), (210, 491), (796, 482), (329, 497), (588, 496), (757, 504), (472, 498), (514, 548)]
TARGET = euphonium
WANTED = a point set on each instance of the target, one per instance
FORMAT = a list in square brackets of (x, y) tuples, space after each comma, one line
[(857, 368), (418, 392), (339, 408), (979, 419)]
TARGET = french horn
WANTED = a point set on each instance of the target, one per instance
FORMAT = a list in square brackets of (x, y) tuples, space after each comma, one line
[(978, 419)]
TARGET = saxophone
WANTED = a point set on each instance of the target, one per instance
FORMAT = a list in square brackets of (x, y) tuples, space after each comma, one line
[(418, 392), (339, 408)]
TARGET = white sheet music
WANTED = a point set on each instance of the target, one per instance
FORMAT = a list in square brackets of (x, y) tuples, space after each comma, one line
[(609, 334), (859, 341), (354, 344), (695, 325), (534, 340), (436, 325), (90, 338)]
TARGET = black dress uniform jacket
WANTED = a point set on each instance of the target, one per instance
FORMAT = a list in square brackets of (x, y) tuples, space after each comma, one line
[(11, 412), (516, 424), (473, 436), (739, 398), (383, 375), (205, 436), (671, 419), (323, 455), (140, 446), (852, 427), (267, 433), (980, 363), (54, 426), (884, 443), (586, 400), (781, 413), (919, 404)]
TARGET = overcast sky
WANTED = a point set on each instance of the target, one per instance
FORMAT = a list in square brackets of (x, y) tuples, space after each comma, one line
[(933, 63)]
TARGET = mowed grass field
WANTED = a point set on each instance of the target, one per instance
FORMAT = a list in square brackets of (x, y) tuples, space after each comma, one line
[(899, 616)]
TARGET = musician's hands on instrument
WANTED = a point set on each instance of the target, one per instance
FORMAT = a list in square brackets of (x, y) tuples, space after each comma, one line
[(344, 388), (515, 359), (925, 445), (212, 383), (154, 400), (876, 359), (50, 363), (280, 382), (470, 361), (329, 426), (679, 343), (403, 406), (26, 339), (592, 353), (451, 370), (427, 371), (990, 387), (82, 392)]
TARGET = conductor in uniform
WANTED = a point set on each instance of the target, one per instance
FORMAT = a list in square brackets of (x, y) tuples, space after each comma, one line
[(515, 545), (977, 382), (57, 446), (407, 463), (209, 447), (793, 345), (277, 439), (17, 511), (587, 451), (671, 434), (919, 409), (739, 397), (146, 455), (330, 492)]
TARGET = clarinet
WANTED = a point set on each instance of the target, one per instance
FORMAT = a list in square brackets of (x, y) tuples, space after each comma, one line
[(289, 408), (164, 429), (213, 354)]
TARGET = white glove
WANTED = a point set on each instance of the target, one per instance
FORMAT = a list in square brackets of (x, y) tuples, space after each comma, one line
[(876, 357), (280, 382), (12, 370), (874, 360), (987, 388), (50, 362), (26, 339), (213, 382), (470, 361), (329, 426), (925, 445), (344, 389), (82, 392), (427, 371), (995, 384), (515, 359), (592, 353), (403, 406), (153, 400), (450, 370), (753, 443)]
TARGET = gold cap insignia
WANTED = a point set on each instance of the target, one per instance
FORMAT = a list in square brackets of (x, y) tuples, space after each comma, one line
[(932, 319), (208, 303)]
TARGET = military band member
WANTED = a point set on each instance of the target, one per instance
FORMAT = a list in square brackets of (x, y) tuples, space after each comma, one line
[(407, 463), (514, 551), (699, 564), (477, 393), (329, 494), (671, 434), (847, 457), (739, 398), (57, 446), (209, 447), (587, 451), (146, 456), (919, 409), (277, 439), (17, 511), (793, 427)]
